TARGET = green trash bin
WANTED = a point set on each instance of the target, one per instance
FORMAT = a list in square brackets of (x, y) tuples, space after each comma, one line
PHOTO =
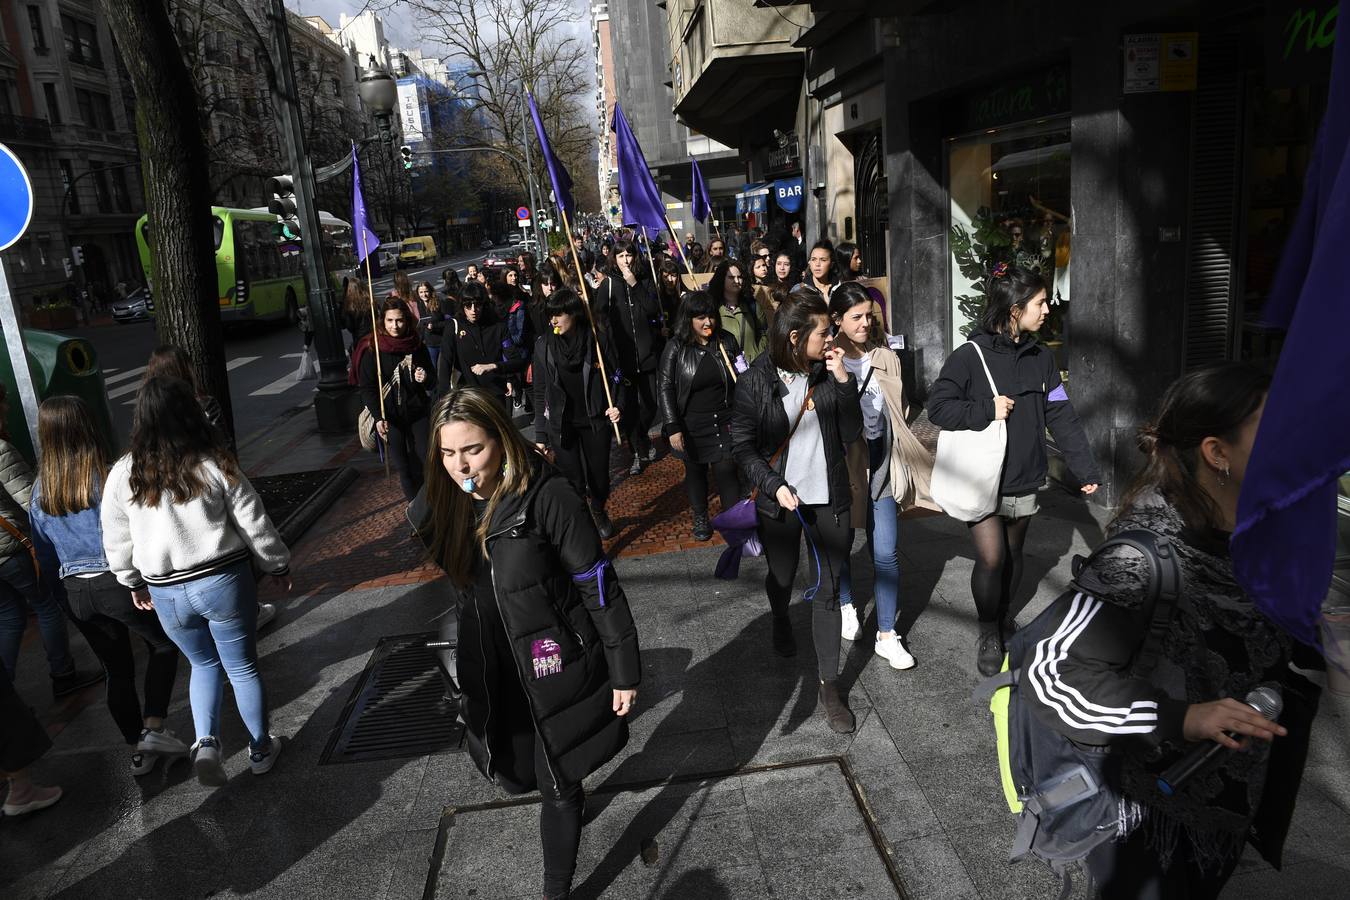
[(61, 365)]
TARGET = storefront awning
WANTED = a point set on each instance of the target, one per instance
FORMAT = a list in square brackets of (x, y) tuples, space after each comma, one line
[(753, 198)]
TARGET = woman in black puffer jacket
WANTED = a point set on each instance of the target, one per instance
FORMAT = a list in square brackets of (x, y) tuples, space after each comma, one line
[(548, 654), (696, 388), (801, 473)]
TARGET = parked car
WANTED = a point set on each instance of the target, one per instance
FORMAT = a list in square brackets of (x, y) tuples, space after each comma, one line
[(528, 246), (417, 251), (135, 307), (498, 259)]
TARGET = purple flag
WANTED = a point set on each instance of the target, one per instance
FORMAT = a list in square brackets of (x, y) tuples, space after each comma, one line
[(367, 242), (1284, 545), (702, 205), (562, 182), (642, 204)]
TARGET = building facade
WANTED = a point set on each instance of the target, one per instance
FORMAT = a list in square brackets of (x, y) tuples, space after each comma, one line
[(67, 111), (1146, 158)]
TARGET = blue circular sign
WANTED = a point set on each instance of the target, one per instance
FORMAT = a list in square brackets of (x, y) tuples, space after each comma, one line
[(522, 212), (16, 198)]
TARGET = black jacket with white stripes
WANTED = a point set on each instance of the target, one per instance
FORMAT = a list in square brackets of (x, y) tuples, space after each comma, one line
[(1079, 679)]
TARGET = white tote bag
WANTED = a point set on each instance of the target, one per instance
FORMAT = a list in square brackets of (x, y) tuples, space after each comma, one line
[(969, 465)]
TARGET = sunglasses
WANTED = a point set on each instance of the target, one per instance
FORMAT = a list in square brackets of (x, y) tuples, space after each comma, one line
[(473, 304), (764, 256)]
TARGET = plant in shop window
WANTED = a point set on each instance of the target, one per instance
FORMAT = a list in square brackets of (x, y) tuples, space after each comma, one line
[(995, 238)]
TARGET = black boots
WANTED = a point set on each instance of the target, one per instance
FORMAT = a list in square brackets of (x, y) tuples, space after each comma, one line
[(602, 522), (989, 649), (835, 707)]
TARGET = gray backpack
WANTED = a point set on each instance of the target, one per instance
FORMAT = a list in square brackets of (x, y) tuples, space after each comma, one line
[(1062, 790)]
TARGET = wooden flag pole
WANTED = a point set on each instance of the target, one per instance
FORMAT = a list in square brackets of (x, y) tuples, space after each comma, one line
[(586, 298), (679, 248), (375, 345), (656, 281)]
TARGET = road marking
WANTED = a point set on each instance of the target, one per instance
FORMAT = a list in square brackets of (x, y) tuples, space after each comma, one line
[(284, 383), (134, 386), (122, 376)]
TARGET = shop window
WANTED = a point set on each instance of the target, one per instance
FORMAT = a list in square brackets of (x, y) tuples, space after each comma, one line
[(1009, 192)]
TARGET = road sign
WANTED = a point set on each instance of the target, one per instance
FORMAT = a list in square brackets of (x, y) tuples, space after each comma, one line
[(523, 214), (16, 198), (16, 211), (524, 223)]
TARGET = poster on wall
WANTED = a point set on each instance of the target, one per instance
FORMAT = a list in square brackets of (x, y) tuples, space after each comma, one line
[(1161, 62)]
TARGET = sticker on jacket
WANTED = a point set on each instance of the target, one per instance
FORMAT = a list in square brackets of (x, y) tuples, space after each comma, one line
[(740, 363), (547, 657), (1058, 395)]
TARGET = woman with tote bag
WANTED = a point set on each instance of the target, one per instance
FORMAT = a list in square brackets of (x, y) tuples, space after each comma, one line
[(1004, 388)]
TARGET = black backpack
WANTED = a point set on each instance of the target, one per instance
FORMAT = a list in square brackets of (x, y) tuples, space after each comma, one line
[(1059, 788)]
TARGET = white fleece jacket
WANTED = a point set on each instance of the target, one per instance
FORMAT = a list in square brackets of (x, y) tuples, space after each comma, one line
[(176, 542)]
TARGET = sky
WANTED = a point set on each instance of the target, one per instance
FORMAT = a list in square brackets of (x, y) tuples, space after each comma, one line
[(400, 24)]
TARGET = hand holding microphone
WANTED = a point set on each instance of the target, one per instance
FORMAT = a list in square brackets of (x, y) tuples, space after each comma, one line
[(1225, 722)]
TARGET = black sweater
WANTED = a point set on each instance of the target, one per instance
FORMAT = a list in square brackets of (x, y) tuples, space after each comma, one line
[(1025, 371)]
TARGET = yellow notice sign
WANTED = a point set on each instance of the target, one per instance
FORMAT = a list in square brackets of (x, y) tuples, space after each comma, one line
[(1180, 52)]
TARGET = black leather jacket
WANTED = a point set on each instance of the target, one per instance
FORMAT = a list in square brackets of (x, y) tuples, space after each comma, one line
[(679, 362), (759, 426)]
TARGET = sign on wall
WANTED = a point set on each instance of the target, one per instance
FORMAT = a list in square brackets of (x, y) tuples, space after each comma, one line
[(788, 194), (1161, 61), (410, 111)]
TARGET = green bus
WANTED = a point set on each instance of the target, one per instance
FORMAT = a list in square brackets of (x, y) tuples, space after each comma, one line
[(257, 277)]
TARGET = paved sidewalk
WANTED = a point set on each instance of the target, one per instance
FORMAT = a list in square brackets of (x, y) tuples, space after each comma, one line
[(731, 787)]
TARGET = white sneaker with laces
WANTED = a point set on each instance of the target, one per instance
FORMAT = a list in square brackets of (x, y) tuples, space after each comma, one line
[(890, 649), (163, 742), (206, 762), (849, 629), (262, 761)]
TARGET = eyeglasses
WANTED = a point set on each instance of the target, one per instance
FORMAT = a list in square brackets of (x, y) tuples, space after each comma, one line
[(764, 256)]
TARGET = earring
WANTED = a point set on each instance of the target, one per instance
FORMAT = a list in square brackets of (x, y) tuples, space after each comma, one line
[(1223, 479)]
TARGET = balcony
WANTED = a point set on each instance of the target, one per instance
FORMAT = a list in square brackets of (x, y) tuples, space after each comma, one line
[(737, 75), (23, 130)]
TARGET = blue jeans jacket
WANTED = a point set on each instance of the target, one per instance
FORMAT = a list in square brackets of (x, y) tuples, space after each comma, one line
[(74, 541)]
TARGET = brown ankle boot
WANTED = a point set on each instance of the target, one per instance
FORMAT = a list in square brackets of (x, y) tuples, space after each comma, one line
[(835, 707)]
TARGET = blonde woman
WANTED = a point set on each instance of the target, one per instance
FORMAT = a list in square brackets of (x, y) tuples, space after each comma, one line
[(548, 653)]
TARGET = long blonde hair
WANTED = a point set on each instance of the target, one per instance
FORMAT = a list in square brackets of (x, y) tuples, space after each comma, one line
[(455, 543), (74, 461)]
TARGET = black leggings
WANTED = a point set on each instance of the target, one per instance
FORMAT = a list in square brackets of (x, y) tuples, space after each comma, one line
[(582, 454), (407, 447), (559, 826), (998, 567), (725, 473), (1131, 870), (103, 609), (833, 539), (641, 411)]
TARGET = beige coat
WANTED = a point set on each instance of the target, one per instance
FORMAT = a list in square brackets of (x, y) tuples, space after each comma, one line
[(911, 465)]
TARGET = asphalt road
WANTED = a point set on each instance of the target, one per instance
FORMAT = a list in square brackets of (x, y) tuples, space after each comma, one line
[(262, 361)]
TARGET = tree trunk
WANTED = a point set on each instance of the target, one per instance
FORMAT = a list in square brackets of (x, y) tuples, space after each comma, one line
[(177, 190)]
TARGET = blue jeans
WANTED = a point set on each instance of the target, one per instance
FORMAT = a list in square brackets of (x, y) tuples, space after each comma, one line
[(19, 590), (213, 620), (883, 536)]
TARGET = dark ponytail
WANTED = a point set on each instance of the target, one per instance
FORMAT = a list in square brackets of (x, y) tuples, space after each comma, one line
[(1009, 288), (1211, 402)]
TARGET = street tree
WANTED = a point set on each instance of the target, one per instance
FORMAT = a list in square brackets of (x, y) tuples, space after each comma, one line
[(519, 43), (177, 189)]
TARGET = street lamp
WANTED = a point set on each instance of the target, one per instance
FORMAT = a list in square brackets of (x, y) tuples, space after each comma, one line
[(379, 94)]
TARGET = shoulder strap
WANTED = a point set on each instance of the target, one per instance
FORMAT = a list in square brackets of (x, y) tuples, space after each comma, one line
[(1164, 588), (985, 365), (806, 401)]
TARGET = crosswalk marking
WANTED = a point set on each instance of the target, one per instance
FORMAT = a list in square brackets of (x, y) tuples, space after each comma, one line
[(132, 388), (121, 376), (284, 383)]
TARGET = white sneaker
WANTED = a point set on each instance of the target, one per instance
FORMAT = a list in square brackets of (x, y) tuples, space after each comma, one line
[(849, 629), (163, 742), (894, 652), (266, 613), (262, 761), (206, 762)]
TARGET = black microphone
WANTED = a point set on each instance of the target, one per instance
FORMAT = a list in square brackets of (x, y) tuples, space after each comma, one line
[(1265, 699)]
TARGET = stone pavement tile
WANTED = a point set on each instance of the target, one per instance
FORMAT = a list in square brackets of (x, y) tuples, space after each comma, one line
[(659, 754), (895, 796), (857, 872), (349, 797), (983, 849), (409, 877), (1320, 828), (807, 811), (1311, 879), (931, 869), (963, 789), (344, 864), (492, 853), (938, 725), (35, 885), (451, 779), (800, 732)]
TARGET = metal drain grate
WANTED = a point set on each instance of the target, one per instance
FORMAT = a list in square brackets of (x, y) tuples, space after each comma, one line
[(398, 708)]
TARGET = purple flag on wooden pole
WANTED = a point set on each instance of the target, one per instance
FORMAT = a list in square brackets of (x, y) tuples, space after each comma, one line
[(642, 204), (701, 203), (562, 182), (365, 240), (1284, 545)]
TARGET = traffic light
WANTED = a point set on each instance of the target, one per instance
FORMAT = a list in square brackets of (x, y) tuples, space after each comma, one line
[(283, 207), (77, 254), (406, 152)]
